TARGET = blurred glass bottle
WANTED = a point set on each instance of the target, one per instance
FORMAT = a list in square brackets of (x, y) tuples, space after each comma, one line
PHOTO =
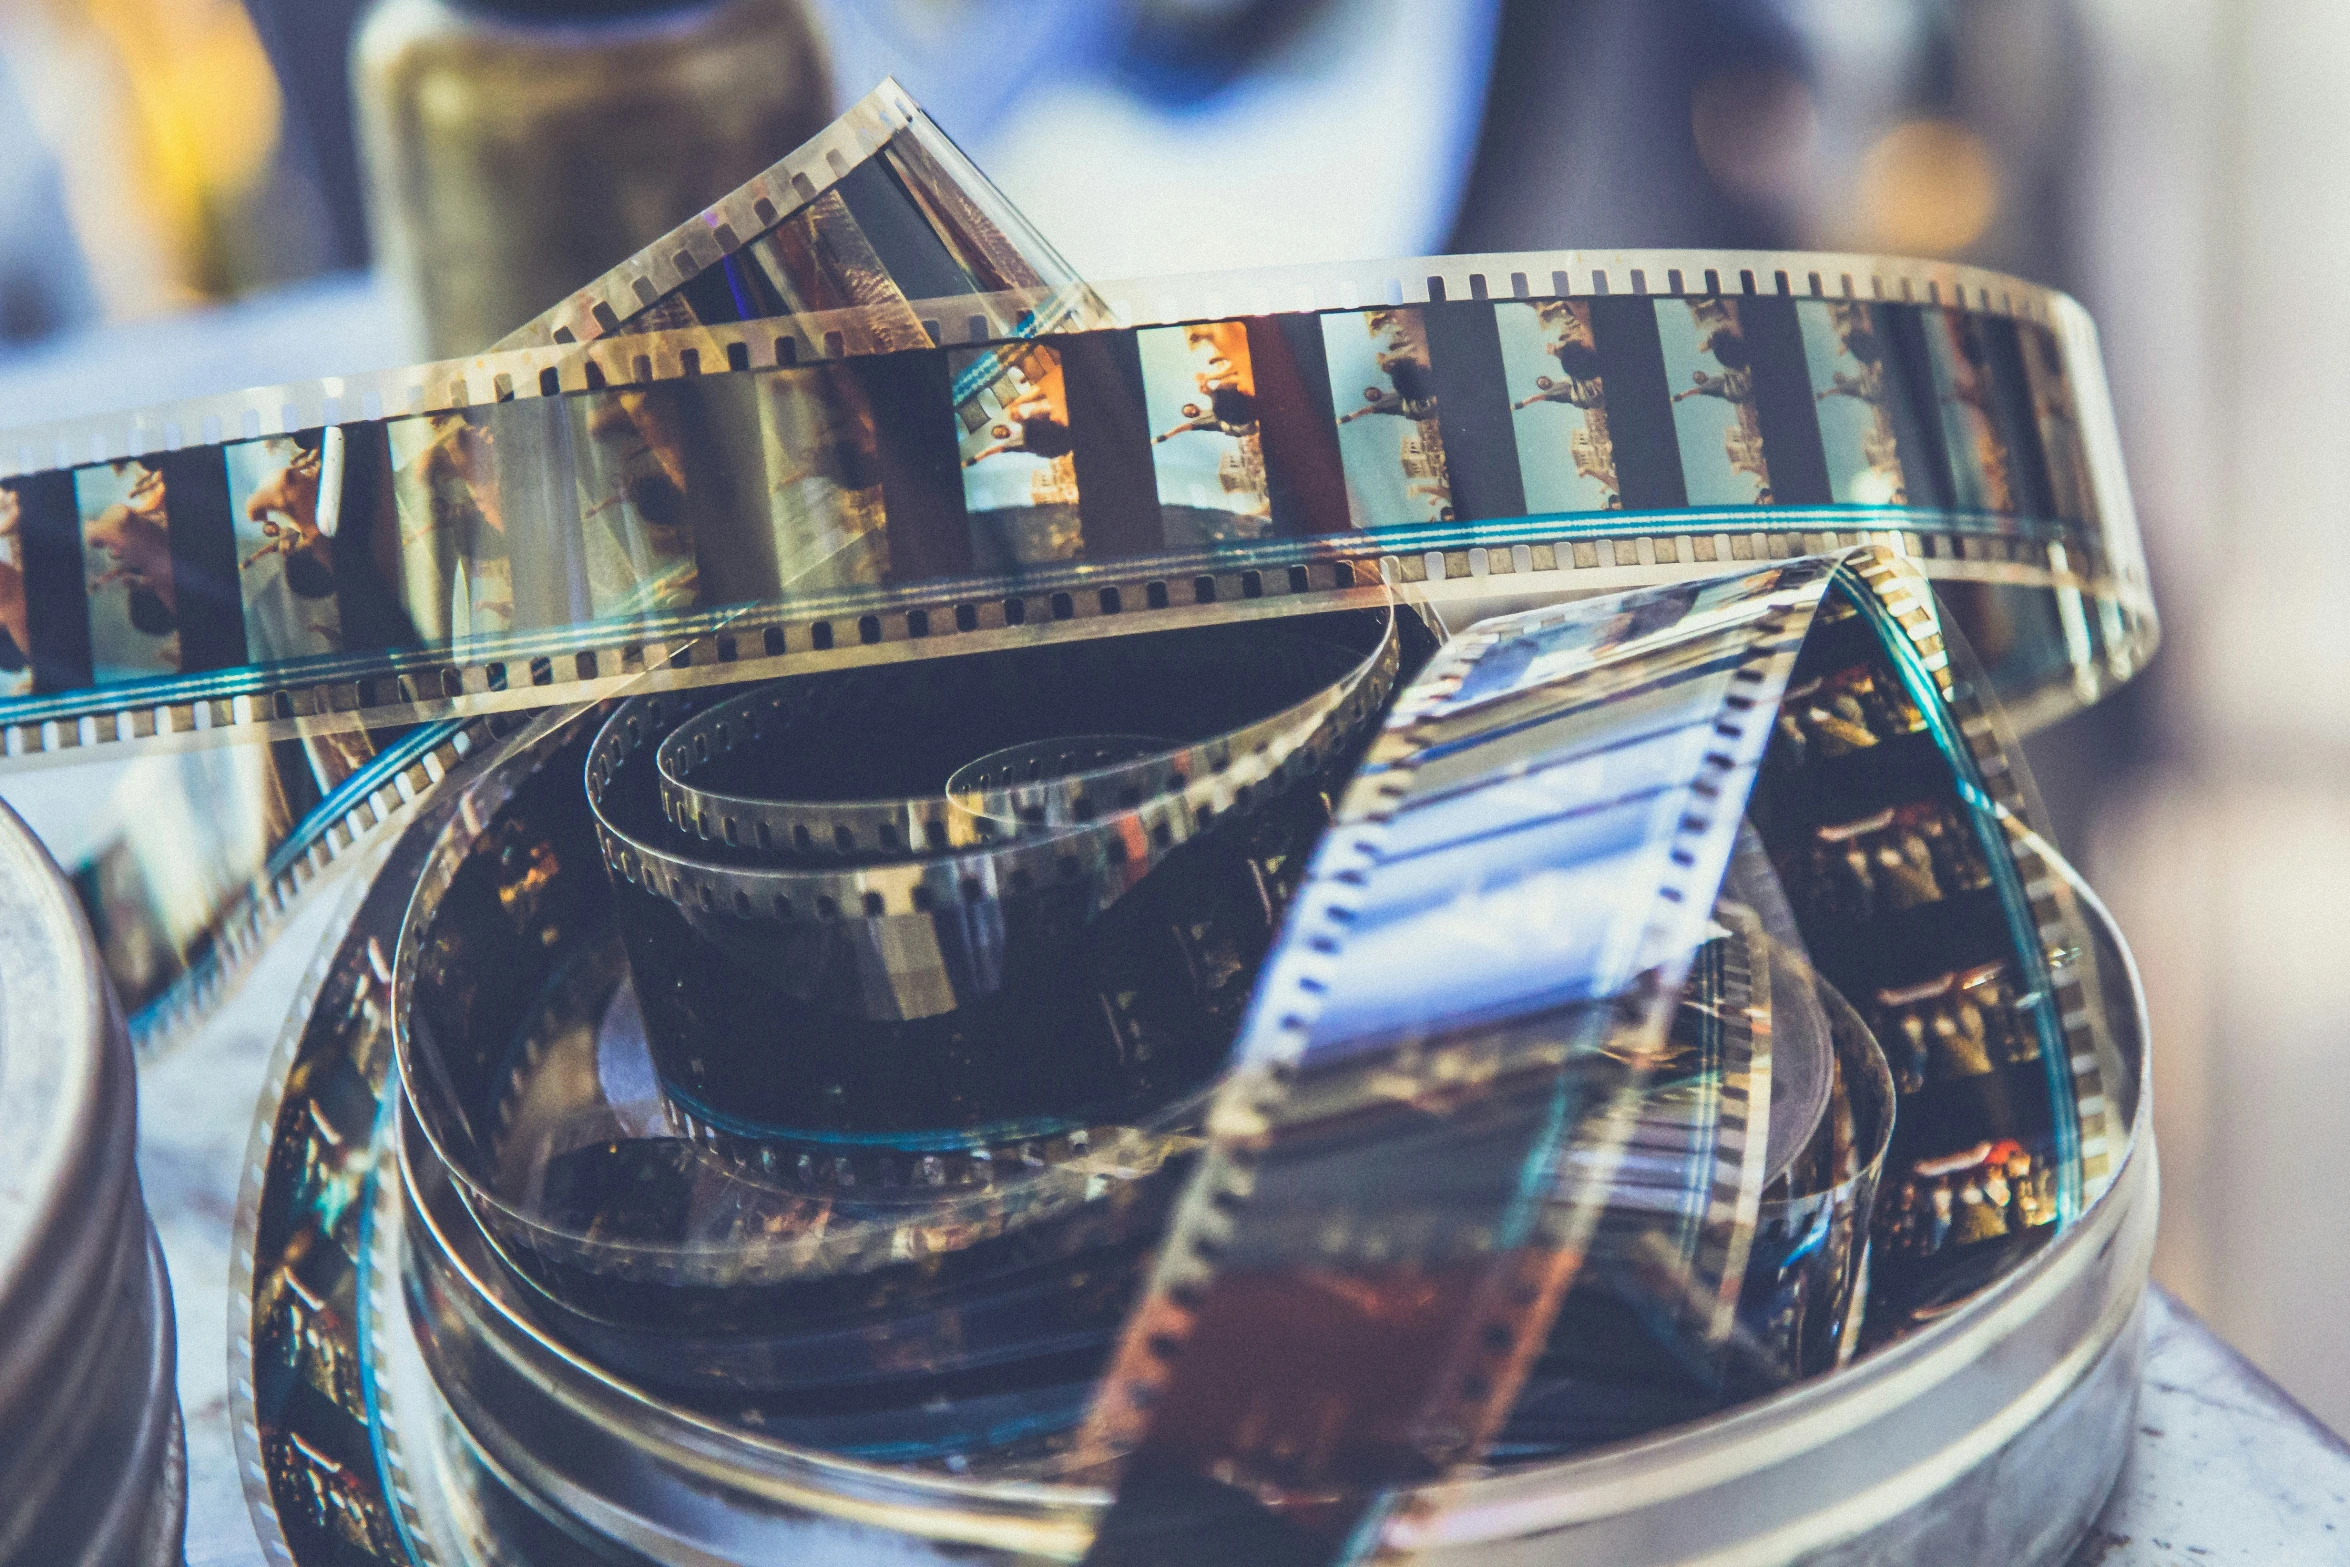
[(516, 148)]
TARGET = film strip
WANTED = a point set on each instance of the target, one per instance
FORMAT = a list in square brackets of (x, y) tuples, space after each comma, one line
[(1305, 1346), (574, 521), (859, 416), (887, 424), (205, 854), (838, 223)]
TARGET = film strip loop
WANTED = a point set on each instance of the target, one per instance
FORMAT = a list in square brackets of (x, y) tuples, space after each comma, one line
[(1115, 847), (1490, 1291), (1015, 790), (860, 415), (553, 530), (867, 256)]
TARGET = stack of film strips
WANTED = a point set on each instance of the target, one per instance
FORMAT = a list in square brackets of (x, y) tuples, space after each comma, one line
[(1143, 924)]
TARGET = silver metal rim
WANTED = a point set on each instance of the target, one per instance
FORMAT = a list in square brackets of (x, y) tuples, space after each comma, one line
[(1889, 1438), (94, 1464)]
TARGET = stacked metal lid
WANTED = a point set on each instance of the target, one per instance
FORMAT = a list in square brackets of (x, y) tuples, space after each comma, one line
[(92, 1470)]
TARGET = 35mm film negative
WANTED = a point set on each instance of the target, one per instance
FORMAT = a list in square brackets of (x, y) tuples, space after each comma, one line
[(809, 452), (564, 522), (199, 857)]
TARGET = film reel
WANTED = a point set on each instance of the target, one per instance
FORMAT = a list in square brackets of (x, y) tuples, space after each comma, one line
[(876, 1187), (843, 502), (91, 1458)]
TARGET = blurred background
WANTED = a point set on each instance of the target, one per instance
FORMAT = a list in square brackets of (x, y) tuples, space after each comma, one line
[(182, 209)]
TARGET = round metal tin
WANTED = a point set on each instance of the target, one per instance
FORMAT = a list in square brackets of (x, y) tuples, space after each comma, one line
[(1991, 1433), (91, 1464)]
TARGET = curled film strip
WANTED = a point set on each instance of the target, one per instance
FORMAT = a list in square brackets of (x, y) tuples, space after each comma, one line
[(919, 1108), (201, 857), (1305, 1345), (1011, 479)]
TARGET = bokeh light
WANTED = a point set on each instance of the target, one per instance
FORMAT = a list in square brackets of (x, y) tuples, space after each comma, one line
[(1927, 188)]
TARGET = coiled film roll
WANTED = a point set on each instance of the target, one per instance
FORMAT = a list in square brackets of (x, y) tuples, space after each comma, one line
[(998, 1047), (92, 1467), (762, 884), (483, 832)]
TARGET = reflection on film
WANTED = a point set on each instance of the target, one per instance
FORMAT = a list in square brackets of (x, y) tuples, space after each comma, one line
[(1960, 1024), (1388, 438), (1988, 1191), (1559, 399), (1019, 461), (818, 260), (1201, 390)]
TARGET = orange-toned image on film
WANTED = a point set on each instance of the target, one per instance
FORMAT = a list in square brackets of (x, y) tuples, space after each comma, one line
[(285, 557), (1980, 462), (636, 527), (1201, 395), (1019, 462), (456, 575)]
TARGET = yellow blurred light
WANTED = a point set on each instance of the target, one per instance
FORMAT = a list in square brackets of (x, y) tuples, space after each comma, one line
[(164, 118), (1928, 187), (201, 84)]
